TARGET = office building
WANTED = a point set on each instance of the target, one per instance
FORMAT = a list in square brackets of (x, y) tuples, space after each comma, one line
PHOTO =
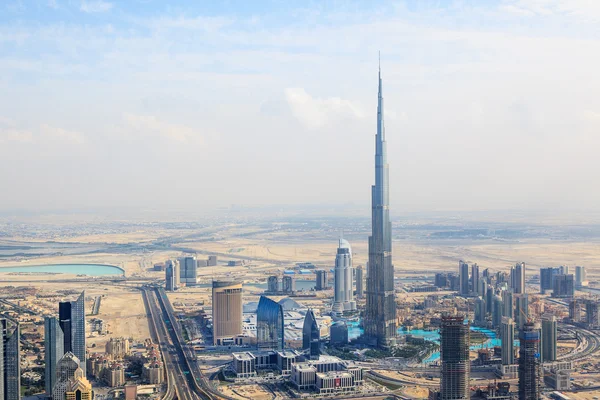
[(169, 278), (480, 312), (497, 311), (338, 333), (380, 312), (79, 388), (441, 280), (463, 275), (54, 350), (321, 279), (269, 325), (273, 284), (580, 277), (311, 336), (71, 316), (188, 270), (65, 371), (212, 261), (489, 299), (343, 294), (507, 336), (10, 360), (360, 285), (521, 309), (517, 278), (530, 367), (564, 286), (592, 314), (508, 304), (475, 279), (575, 310), (227, 312), (288, 284), (547, 279), (454, 356), (548, 339), (563, 270)]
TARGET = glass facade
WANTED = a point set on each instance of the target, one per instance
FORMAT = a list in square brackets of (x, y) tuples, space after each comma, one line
[(269, 325)]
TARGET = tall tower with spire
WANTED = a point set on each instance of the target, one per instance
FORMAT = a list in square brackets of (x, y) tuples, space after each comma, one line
[(380, 315)]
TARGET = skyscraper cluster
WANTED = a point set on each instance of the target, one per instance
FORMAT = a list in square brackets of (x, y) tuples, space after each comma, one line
[(65, 346)]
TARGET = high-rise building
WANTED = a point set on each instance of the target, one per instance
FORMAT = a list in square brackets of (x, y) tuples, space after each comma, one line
[(338, 333), (521, 309), (548, 339), (507, 336), (311, 335), (360, 286), (169, 278), (497, 311), (480, 311), (463, 274), (563, 270), (508, 304), (273, 284), (547, 279), (564, 286), (475, 278), (530, 367), (517, 278), (174, 264), (54, 350), (592, 314), (65, 371), (380, 312), (188, 269), (321, 279), (10, 359), (489, 299), (212, 261), (441, 280), (227, 312), (269, 325), (575, 310), (71, 316), (288, 284), (343, 294), (454, 356), (79, 388), (580, 277)]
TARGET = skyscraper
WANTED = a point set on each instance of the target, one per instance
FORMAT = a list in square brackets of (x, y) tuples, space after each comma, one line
[(549, 336), (507, 335), (517, 278), (188, 269), (321, 279), (169, 278), (480, 312), (174, 265), (497, 311), (269, 325), (288, 284), (547, 279), (71, 316), (475, 278), (580, 277), (65, 371), (10, 359), (311, 335), (530, 367), (463, 273), (54, 350), (79, 388), (227, 312), (273, 284), (564, 286), (508, 304), (360, 287), (522, 309), (343, 299), (380, 313), (454, 355)]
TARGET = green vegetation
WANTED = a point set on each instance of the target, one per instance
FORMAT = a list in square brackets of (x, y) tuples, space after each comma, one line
[(343, 352)]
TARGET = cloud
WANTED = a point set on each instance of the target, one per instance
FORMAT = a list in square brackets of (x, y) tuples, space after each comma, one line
[(44, 134), (95, 6), (55, 133), (315, 112), (150, 124), (583, 9)]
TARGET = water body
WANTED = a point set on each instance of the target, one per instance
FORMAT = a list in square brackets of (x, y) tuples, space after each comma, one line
[(73, 269), (354, 331)]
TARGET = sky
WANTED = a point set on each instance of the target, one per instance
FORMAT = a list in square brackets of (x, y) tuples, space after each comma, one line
[(191, 105)]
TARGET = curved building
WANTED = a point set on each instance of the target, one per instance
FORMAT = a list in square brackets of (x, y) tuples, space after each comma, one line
[(227, 312), (311, 335), (269, 325), (343, 299)]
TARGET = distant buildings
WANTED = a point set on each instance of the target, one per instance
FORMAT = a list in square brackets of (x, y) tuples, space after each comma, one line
[(547, 278), (269, 325), (321, 279), (592, 314), (548, 339), (170, 278), (311, 336), (517, 278), (117, 348), (507, 336), (227, 312), (564, 286), (454, 356), (475, 279), (580, 277), (212, 261), (188, 268), (343, 299), (530, 367), (273, 284), (288, 284), (521, 309), (463, 275), (10, 359)]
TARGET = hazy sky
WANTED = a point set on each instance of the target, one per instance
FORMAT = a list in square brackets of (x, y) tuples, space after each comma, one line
[(183, 105)]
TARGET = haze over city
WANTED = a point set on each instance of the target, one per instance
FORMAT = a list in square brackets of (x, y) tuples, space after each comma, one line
[(185, 105)]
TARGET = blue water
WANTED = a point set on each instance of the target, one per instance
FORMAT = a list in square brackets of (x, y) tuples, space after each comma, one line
[(354, 331), (75, 269)]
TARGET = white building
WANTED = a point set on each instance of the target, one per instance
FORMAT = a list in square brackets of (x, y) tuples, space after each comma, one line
[(343, 291)]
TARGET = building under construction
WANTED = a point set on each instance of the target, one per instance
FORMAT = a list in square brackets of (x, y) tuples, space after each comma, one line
[(530, 366), (454, 355)]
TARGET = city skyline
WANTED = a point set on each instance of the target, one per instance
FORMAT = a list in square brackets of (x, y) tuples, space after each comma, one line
[(112, 96)]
